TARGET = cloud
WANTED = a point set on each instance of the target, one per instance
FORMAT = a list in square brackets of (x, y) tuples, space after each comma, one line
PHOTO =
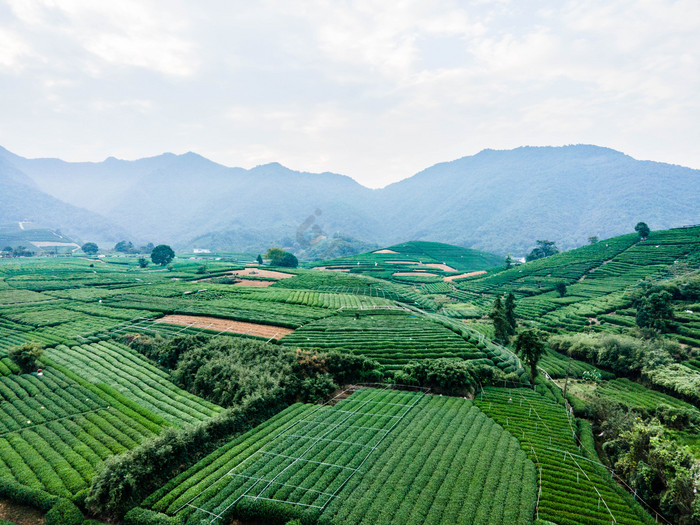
[(126, 33)]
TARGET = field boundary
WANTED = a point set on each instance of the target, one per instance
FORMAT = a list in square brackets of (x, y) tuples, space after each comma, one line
[(298, 460)]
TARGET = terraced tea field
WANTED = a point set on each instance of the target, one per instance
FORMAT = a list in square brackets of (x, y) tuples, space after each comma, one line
[(377, 456)]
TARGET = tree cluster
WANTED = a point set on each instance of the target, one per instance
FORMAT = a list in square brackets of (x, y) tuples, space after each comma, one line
[(25, 356), (660, 470), (279, 257), (543, 249), (128, 247), (18, 251), (504, 319)]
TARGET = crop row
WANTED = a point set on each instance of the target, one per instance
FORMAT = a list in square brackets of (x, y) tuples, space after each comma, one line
[(445, 462), (56, 433), (568, 479), (393, 340), (135, 377)]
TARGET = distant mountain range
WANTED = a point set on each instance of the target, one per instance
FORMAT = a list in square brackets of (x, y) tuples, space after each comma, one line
[(498, 201)]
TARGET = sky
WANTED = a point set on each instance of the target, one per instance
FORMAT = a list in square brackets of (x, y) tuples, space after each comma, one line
[(371, 89)]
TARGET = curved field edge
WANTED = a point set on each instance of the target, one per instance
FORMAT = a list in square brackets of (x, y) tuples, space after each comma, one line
[(444, 462)]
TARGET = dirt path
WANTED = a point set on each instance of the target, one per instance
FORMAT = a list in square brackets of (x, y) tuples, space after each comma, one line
[(414, 274), (385, 251), (463, 275), (226, 325)]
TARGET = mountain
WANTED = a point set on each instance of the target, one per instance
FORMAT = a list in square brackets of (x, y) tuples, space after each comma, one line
[(21, 200), (502, 201), (498, 201)]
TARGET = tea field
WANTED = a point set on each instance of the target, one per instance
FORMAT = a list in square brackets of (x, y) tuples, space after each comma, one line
[(373, 454)]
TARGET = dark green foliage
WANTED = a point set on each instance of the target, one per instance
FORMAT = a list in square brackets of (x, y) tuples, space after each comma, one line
[(125, 247), (654, 310), (500, 324), (529, 345), (64, 512), (508, 261), (543, 249), (143, 262), (259, 259), (447, 375), (226, 370), (90, 248), (642, 229), (162, 254), (509, 311), (560, 287), (26, 355), (279, 257)]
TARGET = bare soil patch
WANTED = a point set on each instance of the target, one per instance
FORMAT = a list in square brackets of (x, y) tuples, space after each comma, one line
[(20, 514), (415, 274), (439, 266), (251, 282), (226, 325), (385, 251), (463, 275), (331, 269), (262, 273)]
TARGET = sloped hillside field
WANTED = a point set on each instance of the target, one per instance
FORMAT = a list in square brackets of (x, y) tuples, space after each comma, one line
[(376, 456)]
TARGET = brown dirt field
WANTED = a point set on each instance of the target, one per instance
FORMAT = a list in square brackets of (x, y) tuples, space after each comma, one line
[(463, 275), (440, 267), (226, 325), (385, 251), (415, 274), (250, 282), (331, 269), (427, 265), (262, 273), (20, 514)]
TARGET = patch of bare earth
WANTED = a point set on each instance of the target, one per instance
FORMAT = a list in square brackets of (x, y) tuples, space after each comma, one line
[(262, 273), (331, 269), (385, 251), (20, 514), (226, 325), (415, 274), (439, 266), (463, 275)]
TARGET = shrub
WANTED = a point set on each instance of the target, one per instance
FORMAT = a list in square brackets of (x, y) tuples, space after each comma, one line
[(64, 512), (26, 355)]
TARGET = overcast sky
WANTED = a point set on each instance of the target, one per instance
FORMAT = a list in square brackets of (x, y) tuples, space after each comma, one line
[(375, 90)]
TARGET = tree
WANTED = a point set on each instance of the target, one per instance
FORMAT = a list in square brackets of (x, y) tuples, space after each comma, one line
[(509, 261), (162, 254), (500, 325), (593, 239), (561, 288), (511, 319), (25, 356), (643, 230), (143, 262), (529, 346), (279, 257), (544, 249), (654, 310), (124, 247), (259, 259), (90, 248), (148, 248)]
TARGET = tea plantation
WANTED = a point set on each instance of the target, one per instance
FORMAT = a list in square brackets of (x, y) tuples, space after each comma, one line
[(140, 422)]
